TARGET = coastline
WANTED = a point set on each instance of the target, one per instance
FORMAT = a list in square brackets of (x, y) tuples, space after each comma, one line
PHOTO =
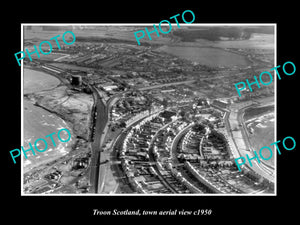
[(241, 139), (39, 122), (60, 107)]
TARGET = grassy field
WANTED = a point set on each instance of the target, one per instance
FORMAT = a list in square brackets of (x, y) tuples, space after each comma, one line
[(256, 111), (50, 57), (71, 106), (70, 66)]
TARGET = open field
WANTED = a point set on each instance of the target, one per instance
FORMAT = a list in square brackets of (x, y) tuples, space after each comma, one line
[(256, 111), (71, 106)]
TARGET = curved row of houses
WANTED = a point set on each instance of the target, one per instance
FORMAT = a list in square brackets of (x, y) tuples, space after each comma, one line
[(165, 155)]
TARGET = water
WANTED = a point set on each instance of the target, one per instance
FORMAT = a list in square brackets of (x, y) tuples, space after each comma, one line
[(39, 123), (207, 56), (260, 120), (38, 81)]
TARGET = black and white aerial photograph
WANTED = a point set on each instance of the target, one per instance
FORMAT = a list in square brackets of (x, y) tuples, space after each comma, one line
[(148, 114), (131, 114)]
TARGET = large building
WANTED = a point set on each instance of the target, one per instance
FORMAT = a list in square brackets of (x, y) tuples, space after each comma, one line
[(76, 80)]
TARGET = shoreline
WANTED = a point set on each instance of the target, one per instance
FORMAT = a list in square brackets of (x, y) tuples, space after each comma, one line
[(249, 138), (68, 146), (241, 139)]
